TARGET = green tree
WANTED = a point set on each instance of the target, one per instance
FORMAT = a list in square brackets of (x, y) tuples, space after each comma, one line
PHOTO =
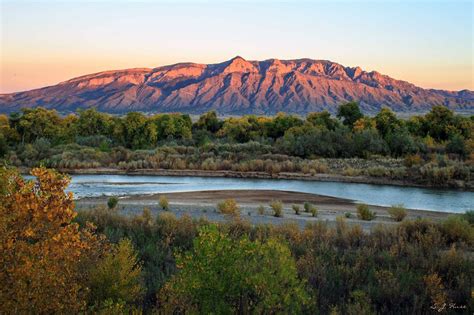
[(349, 113), (457, 145), (208, 122), (323, 119), (92, 123), (117, 277), (222, 275), (386, 121), (440, 122)]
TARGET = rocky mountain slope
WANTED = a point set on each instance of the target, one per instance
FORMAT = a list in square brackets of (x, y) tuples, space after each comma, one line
[(237, 86)]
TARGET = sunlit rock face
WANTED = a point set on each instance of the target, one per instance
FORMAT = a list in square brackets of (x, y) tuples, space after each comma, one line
[(237, 86)]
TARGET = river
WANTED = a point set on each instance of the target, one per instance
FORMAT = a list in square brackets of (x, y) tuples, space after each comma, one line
[(382, 195)]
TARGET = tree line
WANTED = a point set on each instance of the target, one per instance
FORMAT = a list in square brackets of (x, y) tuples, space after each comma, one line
[(355, 134), (436, 147)]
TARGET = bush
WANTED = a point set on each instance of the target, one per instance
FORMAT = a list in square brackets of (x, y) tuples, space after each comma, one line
[(364, 213), (310, 208), (164, 204), (397, 212), (261, 210), (348, 215), (469, 216), (277, 207), (296, 209), (112, 202), (228, 206), (455, 228)]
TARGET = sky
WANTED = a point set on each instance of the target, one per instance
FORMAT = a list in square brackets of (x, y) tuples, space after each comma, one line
[(44, 42)]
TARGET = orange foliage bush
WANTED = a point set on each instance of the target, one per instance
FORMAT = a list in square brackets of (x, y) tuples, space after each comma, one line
[(43, 255)]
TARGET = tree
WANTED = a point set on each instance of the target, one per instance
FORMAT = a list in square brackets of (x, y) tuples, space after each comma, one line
[(322, 119), (41, 250), (92, 123), (281, 123), (349, 113), (386, 121), (117, 277), (222, 275), (457, 145), (39, 122), (440, 122), (208, 122), (401, 142)]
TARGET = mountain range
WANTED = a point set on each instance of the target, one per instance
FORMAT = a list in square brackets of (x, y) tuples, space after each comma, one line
[(237, 86)]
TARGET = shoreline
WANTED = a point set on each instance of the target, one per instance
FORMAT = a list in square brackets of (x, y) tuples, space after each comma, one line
[(203, 204), (322, 177)]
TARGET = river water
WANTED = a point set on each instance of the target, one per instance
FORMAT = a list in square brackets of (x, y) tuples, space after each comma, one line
[(383, 195)]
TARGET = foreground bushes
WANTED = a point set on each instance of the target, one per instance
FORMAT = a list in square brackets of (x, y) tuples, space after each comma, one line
[(51, 264), (223, 275), (394, 270)]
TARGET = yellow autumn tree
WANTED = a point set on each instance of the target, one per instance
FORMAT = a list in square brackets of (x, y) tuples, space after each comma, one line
[(41, 250)]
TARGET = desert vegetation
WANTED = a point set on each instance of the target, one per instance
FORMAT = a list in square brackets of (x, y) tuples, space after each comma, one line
[(433, 149), (99, 261)]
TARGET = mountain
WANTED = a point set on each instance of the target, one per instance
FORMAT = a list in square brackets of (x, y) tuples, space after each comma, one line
[(237, 86)]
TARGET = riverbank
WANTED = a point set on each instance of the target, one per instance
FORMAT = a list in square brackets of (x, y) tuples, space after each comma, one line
[(323, 177), (202, 204)]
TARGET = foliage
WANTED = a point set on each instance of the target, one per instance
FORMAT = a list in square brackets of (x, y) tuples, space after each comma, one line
[(349, 113), (296, 209), (277, 207), (283, 143), (228, 206), (397, 212), (469, 216), (310, 208), (42, 252), (364, 213), (117, 277), (456, 229), (112, 202), (223, 276), (388, 264), (164, 203), (261, 209)]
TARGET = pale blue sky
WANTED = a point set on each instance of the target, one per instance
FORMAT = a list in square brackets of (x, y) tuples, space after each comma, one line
[(429, 43)]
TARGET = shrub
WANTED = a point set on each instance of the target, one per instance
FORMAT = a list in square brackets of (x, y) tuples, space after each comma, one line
[(364, 213), (277, 207), (112, 202), (397, 212), (164, 204), (455, 228), (296, 209), (469, 216), (310, 208), (117, 276), (348, 215), (228, 206), (235, 276), (261, 210)]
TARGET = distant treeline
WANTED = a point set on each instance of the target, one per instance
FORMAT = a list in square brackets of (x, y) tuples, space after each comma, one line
[(91, 139)]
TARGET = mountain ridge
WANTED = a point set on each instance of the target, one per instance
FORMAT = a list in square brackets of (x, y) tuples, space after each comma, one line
[(237, 86)]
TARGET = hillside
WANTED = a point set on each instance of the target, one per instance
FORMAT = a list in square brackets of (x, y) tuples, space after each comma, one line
[(237, 86)]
